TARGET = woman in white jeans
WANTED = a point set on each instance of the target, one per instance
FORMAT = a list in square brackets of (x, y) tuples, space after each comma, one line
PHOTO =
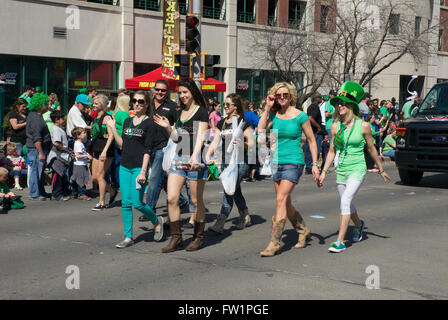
[(349, 135)]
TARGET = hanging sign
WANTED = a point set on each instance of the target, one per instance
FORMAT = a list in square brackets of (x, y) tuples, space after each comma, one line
[(170, 38)]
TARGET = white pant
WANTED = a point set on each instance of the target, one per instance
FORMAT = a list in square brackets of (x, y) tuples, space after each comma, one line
[(347, 192)]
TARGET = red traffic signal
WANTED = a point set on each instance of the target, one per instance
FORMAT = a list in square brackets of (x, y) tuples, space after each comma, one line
[(192, 36)]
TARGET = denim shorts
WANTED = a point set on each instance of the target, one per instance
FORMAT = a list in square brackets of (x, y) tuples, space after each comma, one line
[(191, 175), (291, 172)]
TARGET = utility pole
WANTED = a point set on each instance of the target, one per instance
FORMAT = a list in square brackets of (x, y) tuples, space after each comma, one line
[(196, 59)]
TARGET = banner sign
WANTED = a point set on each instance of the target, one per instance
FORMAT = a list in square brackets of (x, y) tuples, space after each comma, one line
[(171, 38)]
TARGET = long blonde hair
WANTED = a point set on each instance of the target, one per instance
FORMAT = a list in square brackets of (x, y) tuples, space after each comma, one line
[(350, 116), (122, 103), (291, 90)]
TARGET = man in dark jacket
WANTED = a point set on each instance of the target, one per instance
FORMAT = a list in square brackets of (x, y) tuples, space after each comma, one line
[(38, 143)]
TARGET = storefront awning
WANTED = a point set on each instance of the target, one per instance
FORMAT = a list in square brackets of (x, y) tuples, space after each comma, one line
[(147, 81)]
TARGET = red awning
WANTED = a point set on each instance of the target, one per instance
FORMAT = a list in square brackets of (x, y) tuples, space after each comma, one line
[(147, 81)]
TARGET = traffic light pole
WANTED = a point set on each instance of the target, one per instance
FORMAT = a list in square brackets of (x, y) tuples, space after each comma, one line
[(196, 61)]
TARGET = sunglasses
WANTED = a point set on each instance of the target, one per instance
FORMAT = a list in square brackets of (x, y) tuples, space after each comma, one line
[(343, 103), (161, 90), (227, 105), (139, 101), (282, 96)]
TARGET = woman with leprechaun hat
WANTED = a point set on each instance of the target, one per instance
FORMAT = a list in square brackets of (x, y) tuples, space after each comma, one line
[(349, 135)]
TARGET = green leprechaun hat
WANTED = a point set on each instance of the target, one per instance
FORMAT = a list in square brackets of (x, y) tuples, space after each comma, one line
[(350, 92)]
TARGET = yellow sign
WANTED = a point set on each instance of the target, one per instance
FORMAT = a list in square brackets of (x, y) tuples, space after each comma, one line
[(145, 84), (208, 87), (170, 37)]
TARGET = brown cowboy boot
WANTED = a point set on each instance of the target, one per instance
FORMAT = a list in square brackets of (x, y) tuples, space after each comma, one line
[(303, 232), (176, 241), (198, 236), (274, 245)]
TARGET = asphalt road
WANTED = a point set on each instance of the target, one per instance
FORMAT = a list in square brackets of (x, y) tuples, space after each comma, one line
[(405, 241)]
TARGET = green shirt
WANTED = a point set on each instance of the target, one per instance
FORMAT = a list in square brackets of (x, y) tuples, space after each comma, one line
[(407, 109), (387, 144), (351, 161), (4, 188), (385, 111), (328, 121), (119, 117), (48, 121), (288, 148)]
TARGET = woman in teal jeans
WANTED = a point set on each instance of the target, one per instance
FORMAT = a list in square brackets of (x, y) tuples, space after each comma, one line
[(136, 142), (288, 123)]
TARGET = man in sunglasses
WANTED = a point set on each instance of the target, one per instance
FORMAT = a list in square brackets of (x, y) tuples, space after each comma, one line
[(163, 106)]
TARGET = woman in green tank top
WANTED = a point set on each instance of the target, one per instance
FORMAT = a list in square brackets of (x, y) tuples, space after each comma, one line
[(349, 135), (287, 163)]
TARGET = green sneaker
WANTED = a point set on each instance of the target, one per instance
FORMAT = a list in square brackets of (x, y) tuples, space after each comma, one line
[(357, 233), (337, 247)]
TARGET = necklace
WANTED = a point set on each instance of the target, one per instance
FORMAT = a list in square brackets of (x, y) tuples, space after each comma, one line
[(136, 128)]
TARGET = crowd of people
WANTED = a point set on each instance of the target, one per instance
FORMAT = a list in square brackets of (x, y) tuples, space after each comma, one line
[(139, 143)]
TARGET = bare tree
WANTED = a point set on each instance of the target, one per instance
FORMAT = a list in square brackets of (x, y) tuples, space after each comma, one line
[(366, 38)]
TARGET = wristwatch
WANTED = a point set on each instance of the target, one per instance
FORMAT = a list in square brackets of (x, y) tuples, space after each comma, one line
[(314, 164)]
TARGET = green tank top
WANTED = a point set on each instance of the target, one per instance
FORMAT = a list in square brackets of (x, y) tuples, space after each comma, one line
[(351, 162)]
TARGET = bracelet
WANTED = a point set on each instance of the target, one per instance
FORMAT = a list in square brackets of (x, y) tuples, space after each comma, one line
[(324, 171), (381, 172), (314, 164)]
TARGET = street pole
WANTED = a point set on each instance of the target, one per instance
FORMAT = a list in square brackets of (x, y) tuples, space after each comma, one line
[(196, 61)]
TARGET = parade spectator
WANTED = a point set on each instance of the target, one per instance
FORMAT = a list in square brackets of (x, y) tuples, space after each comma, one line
[(5, 194), (18, 162), (389, 144), (103, 151), (363, 108), (75, 117), (329, 110), (91, 93), (189, 132), (38, 144), (261, 107), (315, 118), (288, 161), (350, 135), (224, 133), (137, 139), (59, 158), (249, 115), (54, 102), (325, 148), (407, 108), (27, 94), (214, 118), (80, 175), (17, 119)]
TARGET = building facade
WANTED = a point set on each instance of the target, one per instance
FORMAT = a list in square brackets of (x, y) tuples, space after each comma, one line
[(65, 45)]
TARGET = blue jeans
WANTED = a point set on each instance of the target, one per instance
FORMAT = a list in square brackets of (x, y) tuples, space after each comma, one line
[(36, 178), (157, 180), (390, 154), (227, 201), (308, 157)]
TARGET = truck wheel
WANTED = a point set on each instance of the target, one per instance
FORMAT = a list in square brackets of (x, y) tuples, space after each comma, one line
[(410, 177)]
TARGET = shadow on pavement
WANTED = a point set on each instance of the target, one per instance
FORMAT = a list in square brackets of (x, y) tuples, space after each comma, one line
[(437, 181)]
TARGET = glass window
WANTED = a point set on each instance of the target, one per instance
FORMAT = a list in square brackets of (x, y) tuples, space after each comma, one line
[(153, 5), (10, 77), (243, 82), (77, 79), (297, 14), (56, 82), (324, 10), (418, 21), (101, 75), (272, 13), (246, 11), (34, 72), (214, 9), (394, 24)]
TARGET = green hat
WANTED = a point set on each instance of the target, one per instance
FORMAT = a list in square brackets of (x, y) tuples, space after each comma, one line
[(350, 92), (83, 90), (38, 101), (38, 89), (326, 97)]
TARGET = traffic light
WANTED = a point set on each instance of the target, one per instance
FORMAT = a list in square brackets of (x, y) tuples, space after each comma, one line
[(182, 65), (209, 61), (192, 36)]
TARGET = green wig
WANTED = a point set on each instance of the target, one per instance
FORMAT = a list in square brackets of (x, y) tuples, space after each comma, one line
[(38, 101)]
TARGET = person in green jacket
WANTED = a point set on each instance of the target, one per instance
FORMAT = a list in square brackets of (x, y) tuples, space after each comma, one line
[(389, 144), (121, 112), (350, 135)]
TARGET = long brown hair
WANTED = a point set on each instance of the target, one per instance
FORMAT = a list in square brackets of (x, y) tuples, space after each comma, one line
[(237, 101), (148, 100)]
